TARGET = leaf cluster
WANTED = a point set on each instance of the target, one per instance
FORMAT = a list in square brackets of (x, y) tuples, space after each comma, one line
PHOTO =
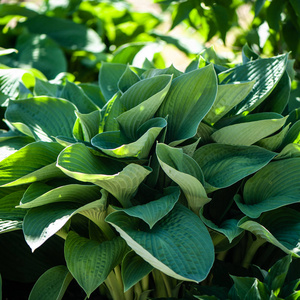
[(147, 179)]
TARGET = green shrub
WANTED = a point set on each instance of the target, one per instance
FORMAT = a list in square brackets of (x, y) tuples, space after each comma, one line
[(150, 180)]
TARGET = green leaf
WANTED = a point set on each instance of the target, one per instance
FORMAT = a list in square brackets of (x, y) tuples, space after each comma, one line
[(277, 274), (52, 284), (90, 262), (13, 144), (117, 178), (279, 227), (11, 218), (76, 95), (155, 210), (266, 72), (90, 124), (179, 245), (134, 268), (183, 170), (142, 101), (228, 96), (224, 165), (247, 53), (114, 144), (40, 223), (275, 185), (167, 71), (45, 88), (247, 133), (42, 53), (40, 194), (45, 117), (9, 83), (94, 93), (109, 77), (34, 162), (7, 9), (190, 97), (128, 79), (66, 33), (228, 227)]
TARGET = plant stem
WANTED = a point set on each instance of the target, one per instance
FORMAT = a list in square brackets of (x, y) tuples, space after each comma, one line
[(221, 256), (137, 290), (160, 288), (251, 251), (114, 287), (145, 283), (167, 284)]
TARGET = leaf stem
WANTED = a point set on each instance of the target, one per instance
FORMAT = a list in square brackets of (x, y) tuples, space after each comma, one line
[(251, 251), (160, 288), (145, 283)]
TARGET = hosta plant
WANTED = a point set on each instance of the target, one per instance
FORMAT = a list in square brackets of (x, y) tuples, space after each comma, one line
[(147, 191)]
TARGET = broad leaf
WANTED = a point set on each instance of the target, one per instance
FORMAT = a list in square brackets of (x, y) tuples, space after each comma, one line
[(228, 96), (266, 73), (142, 101), (224, 165), (66, 33), (273, 186), (90, 124), (128, 79), (40, 194), (90, 262), (52, 284), (117, 178), (228, 227), (247, 133), (190, 97), (134, 268), (10, 217), (182, 169), (76, 95), (279, 227), (35, 162), (115, 144), (155, 210), (179, 245), (45, 117), (40, 223), (109, 76)]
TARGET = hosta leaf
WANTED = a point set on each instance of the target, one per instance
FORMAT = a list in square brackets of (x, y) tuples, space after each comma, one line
[(228, 227), (40, 194), (275, 185), (45, 88), (247, 133), (273, 142), (90, 124), (52, 284), (134, 268), (94, 93), (66, 33), (190, 97), (279, 227), (290, 150), (142, 101), (90, 262), (40, 223), (9, 83), (155, 210), (115, 144), (266, 73), (228, 96), (277, 274), (76, 95), (47, 56), (178, 245), (155, 72), (128, 79), (46, 117), (34, 162), (117, 178), (11, 218), (109, 76), (12, 145), (182, 169), (224, 165)]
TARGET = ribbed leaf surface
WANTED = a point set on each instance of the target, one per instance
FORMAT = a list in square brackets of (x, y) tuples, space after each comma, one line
[(179, 245)]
